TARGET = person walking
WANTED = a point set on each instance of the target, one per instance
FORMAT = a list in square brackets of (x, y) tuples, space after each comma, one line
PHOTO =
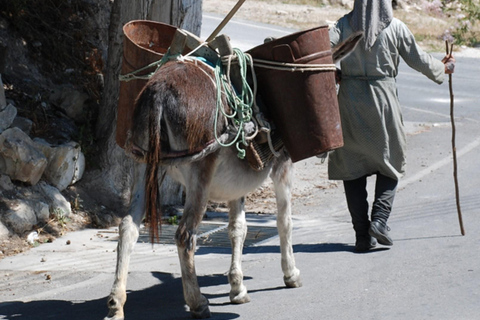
[(371, 118)]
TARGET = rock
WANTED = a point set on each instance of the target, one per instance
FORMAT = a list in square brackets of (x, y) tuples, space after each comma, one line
[(71, 101), (20, 158), (42, 211), (32, 237), (347, 3), (66, 163), (20, 216), (3, 231), (7, 115), (56, 201), (6, 183), (3, 101), (23, 124), (3, 55)]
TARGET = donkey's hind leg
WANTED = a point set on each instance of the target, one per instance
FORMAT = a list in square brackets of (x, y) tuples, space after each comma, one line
[(195, 205), (128, 231), (237, 230), (186, 243), (282, 175)]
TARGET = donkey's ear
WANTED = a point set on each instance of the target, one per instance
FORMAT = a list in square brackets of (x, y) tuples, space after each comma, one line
[(343, 49)]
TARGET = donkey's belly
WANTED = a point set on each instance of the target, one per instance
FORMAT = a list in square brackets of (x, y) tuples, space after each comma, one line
[(233, 184), (234, 178)]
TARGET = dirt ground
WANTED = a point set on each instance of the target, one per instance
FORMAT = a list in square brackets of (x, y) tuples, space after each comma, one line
[(428, 27), (294, 16)]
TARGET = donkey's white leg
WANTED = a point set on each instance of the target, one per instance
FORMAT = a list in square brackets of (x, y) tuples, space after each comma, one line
[(128, 231), (237, 230), (282, 179)]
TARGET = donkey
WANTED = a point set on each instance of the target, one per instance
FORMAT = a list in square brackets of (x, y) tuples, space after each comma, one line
[(173, 133)]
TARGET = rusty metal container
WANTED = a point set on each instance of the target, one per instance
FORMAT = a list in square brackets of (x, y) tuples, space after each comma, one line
[(144, 42), (302, 105)]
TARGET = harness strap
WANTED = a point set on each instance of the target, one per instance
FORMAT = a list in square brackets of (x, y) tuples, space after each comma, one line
[(182, 157)]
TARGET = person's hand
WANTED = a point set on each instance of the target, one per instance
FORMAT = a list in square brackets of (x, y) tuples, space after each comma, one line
[(449, 62)]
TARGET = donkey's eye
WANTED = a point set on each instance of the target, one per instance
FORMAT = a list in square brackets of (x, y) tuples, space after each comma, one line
[(137, 153)]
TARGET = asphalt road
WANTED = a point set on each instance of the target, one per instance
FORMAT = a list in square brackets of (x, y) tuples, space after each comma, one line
[(431, 271)]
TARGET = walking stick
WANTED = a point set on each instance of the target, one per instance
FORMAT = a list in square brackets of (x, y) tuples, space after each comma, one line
[(225, 20), (454, 149)]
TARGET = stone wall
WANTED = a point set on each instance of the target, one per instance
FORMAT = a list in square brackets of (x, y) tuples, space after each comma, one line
[(50, 86), (33, 173)]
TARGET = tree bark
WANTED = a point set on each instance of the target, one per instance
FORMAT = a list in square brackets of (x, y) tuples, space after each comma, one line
[(115, 174)]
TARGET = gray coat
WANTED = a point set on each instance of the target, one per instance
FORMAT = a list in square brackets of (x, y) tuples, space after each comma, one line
[(372, 124)]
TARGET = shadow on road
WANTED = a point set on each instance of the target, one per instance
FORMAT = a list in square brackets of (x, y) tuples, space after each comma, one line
[(162, 301), (297, 248)]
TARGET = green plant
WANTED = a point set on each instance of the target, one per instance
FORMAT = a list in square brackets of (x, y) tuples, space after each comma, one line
[(60, 217), (173, 220), (466, 14), (39, 242)]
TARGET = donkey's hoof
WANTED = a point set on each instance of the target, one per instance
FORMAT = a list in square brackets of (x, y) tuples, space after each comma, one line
[(239, 297), (114, 318), (114, 315), (116, 309), (202, 312), (293, 281)]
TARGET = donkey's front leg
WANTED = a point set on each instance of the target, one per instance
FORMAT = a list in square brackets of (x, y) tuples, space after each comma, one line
[(282, 180), (128, 231), (237, 230)]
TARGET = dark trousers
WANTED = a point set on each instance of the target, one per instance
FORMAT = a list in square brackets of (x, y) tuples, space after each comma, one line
[(356, 194)]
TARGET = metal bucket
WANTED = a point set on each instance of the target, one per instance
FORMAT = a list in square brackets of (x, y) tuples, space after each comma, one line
[(302, 105), (144, 42)]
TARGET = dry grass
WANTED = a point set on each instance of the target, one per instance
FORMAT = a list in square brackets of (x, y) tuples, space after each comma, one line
[(428, 28)]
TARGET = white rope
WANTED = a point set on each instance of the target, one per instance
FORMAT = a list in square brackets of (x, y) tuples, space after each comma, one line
[(157, 64), (293, 67)]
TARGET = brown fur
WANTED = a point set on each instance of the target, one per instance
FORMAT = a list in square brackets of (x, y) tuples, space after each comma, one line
[(152, 213), (200, 114), (185, 88), (198, 100)]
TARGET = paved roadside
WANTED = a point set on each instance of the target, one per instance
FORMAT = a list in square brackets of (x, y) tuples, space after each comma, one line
[(431, 272)]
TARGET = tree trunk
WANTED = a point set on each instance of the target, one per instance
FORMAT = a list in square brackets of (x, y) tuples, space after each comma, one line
[(115, 174)]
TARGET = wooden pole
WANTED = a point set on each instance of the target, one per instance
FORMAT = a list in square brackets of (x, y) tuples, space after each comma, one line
[(454, 148), (225, 20)]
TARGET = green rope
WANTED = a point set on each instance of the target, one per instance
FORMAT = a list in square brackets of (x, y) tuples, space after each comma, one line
[(241, 103), (133, 75)]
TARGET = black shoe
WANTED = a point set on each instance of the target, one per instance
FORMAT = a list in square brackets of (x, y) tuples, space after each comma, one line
[(380, 232), (364, 243)]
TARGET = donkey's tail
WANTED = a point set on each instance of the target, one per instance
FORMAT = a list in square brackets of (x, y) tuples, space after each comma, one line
[(153, 214)]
